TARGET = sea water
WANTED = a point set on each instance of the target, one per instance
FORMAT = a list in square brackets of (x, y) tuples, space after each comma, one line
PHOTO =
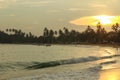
[(56, 58)]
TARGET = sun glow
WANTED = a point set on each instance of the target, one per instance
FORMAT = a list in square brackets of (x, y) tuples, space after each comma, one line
[(93, 20), (103, 19)]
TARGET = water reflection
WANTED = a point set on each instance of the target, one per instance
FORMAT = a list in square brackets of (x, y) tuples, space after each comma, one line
[(111, 62), (108, 52), (110, 71), (113, 74), (111, 66)]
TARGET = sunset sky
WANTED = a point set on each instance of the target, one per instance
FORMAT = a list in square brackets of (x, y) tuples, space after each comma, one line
[(34, 15)]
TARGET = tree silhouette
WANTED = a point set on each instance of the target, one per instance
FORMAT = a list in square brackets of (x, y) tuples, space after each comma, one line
[(63, 36), (46, 32), (90, 34), (115, 27)]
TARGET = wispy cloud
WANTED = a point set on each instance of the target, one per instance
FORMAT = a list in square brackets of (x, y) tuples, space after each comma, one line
[(53, 11), (37, 3), (76, 9), (98, 5), (6, 3), (83, 21)]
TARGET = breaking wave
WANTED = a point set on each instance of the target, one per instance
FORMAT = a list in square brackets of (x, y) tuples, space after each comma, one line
[(70, 61), (39, 65)]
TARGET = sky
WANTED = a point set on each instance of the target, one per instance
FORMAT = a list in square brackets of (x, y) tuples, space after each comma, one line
[(35, 15)]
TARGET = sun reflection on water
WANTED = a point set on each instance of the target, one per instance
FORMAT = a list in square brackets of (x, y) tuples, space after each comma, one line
[(110, 62), (110, 71), (113, 74), (107, 52)]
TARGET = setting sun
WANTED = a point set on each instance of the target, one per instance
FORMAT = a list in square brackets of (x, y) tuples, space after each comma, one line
[(103, 19), (93, 20)]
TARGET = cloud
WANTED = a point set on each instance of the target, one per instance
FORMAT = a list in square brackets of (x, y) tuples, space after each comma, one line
[(98, 5), (83, 21), (32, 3), (53, 11), (36, 3), (76, 9), (6, 3)]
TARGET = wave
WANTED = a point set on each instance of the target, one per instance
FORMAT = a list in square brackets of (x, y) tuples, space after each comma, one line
[(108, 62), (70, 61), (39, 65), (91, 73)]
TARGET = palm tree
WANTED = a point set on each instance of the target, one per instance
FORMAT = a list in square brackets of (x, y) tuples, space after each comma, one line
[(115, 27)]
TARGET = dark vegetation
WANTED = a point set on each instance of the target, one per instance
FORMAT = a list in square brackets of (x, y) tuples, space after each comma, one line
[(65, 36)]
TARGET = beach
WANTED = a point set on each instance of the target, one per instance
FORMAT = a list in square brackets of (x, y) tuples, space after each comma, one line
[(70, 72), (59, 62)]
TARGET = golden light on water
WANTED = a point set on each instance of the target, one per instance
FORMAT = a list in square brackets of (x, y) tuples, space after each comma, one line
[(93, 20), (113, 74), (110, 71)]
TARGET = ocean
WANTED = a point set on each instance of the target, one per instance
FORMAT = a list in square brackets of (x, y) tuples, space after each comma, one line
[(56, 62)]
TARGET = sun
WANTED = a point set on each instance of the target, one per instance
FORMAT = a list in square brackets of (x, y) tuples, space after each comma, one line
[(93, 20), (104, 20)]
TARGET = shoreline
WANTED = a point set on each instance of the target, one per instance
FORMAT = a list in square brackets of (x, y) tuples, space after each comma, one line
[(116, 45)]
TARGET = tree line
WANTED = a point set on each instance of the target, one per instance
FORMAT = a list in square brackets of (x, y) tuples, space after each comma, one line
[(63, 36)]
